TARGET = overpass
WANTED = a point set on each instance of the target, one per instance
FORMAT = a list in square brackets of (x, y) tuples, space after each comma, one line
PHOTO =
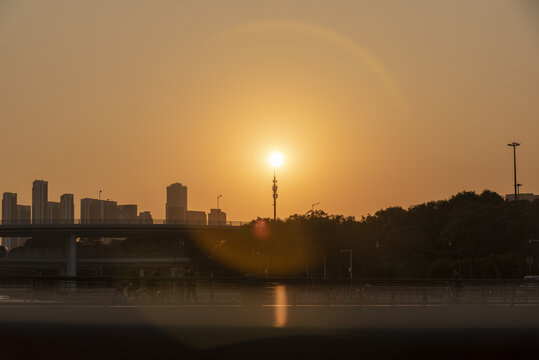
[(80, 229), (109, 229)]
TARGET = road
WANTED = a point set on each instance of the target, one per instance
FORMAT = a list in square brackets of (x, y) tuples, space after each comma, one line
[(437, 332)]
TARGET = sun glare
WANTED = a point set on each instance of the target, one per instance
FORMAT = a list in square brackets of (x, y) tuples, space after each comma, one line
[(276, 159)]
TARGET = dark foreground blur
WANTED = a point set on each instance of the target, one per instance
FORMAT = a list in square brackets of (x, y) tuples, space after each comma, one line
[(267, 318)]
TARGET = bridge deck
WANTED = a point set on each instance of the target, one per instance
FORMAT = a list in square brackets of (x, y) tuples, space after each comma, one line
[(106, 230)]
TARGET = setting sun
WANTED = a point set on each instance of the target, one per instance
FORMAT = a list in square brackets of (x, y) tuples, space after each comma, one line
[(276, 159)]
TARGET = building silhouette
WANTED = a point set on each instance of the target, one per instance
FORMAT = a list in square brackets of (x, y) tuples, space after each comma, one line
[(12, 213), (145, 217), (127, 214), (39, 202), (24, 214), (9, 208), (176, 205), (108, 211), (67, 209), (9, 215), (54, 212), (216, 217), (526, 196), (89, 211), (93, 211), (195, 217)]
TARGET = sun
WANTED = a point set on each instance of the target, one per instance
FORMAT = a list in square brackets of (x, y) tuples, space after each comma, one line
[(276, 159)]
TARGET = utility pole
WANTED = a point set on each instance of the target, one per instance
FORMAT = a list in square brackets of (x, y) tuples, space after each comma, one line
[(514, 145)]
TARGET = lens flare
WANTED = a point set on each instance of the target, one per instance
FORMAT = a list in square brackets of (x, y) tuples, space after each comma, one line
[(276, 159)]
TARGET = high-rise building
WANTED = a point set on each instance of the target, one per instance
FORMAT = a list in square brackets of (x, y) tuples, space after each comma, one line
[(145, 217), (176, 206), (54, 212), (176, 215), (127, 214), (9, 216), (12, 213), (93, 211), (108, 211), (67, 208), (195, 217), (89, 211), (9, 208), (24, 216), (216, 217), (39, 201)]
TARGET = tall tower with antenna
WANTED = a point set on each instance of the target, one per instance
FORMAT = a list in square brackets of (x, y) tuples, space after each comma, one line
[(275, 160), (275, 195)]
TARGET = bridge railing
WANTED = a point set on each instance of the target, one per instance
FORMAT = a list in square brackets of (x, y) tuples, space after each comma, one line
[(233, 223)]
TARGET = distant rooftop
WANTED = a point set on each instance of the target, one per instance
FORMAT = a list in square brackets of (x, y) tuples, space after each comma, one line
[(527, 196)]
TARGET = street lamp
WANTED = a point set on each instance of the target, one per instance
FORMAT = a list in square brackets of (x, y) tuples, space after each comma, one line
[(351, 263), (384, 259), (514, 145), (275, 160), (530, 259), (99, 207), (218, 197), (214, 249), (313, 205), (219, 211)]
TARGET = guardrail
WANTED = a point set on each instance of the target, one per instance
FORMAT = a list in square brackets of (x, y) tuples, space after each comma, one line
[(261, 291)]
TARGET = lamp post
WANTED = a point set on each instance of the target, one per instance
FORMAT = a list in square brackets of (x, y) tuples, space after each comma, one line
[(212, 252), (313, 205), (383, 259), (350, 269), (218, 197), (219, 211), (514, 145), (325, 268), (530, 259), (99, 207), (449, 243)]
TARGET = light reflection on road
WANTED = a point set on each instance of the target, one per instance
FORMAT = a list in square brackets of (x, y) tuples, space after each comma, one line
[(281, 306)]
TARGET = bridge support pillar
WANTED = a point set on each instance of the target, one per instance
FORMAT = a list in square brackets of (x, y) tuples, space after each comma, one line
[(71, 256)]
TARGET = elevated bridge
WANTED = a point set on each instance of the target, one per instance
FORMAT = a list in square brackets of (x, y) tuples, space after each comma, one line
[(109, 230), (80, 229)]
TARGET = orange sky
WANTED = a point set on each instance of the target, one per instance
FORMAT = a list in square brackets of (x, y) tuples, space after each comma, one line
[(373, 104)]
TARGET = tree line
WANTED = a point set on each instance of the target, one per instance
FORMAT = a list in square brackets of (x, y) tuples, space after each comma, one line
[(473, 235)]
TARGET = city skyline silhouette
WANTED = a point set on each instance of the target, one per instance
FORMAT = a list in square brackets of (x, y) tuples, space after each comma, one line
[(46, 211)]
